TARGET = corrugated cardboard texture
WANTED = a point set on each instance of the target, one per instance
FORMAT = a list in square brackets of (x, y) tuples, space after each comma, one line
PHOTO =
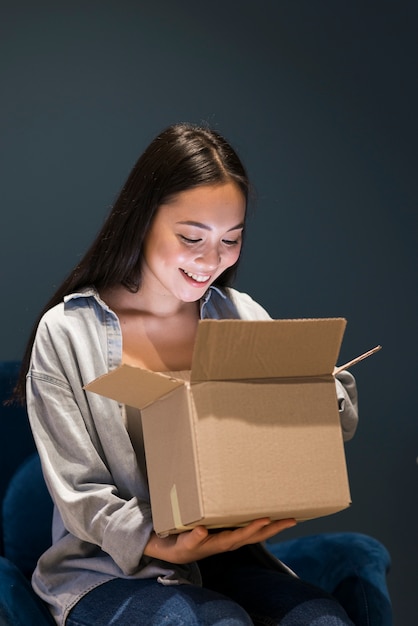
[(134, 386), (170, 441), (275, 456), (239, 350), (256, 433)]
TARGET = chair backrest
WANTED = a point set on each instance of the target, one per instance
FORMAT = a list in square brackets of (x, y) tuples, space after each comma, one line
[(27, 516), (16, 441), (26, 508)]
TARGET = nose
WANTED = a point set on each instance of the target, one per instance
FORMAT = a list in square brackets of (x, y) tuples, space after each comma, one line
[(208, 259)]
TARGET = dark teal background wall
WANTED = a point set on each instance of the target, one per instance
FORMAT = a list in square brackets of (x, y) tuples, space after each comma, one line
[(320, 99)]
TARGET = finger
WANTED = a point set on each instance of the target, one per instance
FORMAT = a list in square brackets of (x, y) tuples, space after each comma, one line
[(253, 527), (195, 537), (257, 526), (256, 531), (274, 528), (231, 539)]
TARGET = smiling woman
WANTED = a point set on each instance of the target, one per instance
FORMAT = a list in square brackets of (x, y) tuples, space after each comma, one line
[(198, 233), (164, 259), (193, 239)]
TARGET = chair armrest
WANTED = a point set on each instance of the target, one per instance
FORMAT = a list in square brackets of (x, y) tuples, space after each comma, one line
[(352, 566), (19, 605)]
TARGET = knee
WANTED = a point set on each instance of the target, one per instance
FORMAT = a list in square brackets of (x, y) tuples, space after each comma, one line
[(319, 611), (193, 607), (223, 612)]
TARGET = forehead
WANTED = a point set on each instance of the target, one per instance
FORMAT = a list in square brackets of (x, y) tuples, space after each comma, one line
[(222, 203)]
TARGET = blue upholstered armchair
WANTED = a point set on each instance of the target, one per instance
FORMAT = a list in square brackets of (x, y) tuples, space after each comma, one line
[(352, 566)]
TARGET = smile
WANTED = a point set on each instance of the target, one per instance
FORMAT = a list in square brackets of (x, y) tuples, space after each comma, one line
[(198, 278)]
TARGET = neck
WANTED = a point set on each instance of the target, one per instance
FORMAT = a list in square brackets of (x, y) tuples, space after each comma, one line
[(147, 302)]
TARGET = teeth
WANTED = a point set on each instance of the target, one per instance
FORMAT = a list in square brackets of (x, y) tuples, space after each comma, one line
[(198, 279)]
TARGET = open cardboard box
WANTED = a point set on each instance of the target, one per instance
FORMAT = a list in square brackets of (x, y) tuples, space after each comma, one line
[(251, 431)]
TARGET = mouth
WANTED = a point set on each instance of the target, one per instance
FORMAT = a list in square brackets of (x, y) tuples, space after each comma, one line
[(197, 278)]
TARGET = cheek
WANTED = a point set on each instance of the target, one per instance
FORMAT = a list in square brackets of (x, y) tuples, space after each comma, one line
[(173, 254), (232, 256)]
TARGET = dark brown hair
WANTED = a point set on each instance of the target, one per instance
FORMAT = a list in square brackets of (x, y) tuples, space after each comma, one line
[(182, 157)]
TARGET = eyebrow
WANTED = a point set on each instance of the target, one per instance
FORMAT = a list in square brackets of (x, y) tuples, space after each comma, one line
[(206, 227)]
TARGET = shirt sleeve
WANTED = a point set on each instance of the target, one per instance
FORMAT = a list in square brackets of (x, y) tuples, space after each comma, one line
[(246, 307), (347, 403), (88, 462)]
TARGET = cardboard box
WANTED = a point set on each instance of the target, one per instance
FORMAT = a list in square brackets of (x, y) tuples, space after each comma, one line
[(252, 431)]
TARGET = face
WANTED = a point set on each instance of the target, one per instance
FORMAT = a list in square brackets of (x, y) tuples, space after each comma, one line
[(195, 237)]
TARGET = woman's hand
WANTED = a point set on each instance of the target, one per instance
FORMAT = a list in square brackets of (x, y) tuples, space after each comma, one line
[(200, 543)]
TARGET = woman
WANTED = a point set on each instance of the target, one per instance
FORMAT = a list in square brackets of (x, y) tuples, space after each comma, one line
[(163, 259)]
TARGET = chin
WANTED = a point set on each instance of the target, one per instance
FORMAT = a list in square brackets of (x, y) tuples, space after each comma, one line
[(193, 297)]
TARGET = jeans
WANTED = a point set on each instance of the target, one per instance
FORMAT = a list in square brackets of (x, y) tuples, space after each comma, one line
[(244, 595)]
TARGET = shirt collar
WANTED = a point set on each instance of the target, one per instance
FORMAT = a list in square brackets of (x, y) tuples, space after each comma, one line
[(92, 292), (87, 292)]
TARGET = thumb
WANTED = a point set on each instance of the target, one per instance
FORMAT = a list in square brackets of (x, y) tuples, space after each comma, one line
[(197, 535)]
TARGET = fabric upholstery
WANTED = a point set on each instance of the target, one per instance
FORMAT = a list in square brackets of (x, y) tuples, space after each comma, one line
[(27, 515), (351, 566), (19, 605), (16, 439)]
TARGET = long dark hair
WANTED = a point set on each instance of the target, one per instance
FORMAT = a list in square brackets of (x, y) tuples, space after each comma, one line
[(182, 157)]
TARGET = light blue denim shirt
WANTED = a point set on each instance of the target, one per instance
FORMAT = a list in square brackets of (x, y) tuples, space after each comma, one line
[(102, 516)]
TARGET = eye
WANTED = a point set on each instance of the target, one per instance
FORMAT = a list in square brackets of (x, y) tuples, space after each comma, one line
[(231, 242), (189, 240)]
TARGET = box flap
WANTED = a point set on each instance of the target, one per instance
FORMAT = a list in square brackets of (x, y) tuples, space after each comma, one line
[(133, 386), (241, 349)]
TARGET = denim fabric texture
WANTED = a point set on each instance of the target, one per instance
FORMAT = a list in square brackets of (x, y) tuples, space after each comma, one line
[(245, 597)]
